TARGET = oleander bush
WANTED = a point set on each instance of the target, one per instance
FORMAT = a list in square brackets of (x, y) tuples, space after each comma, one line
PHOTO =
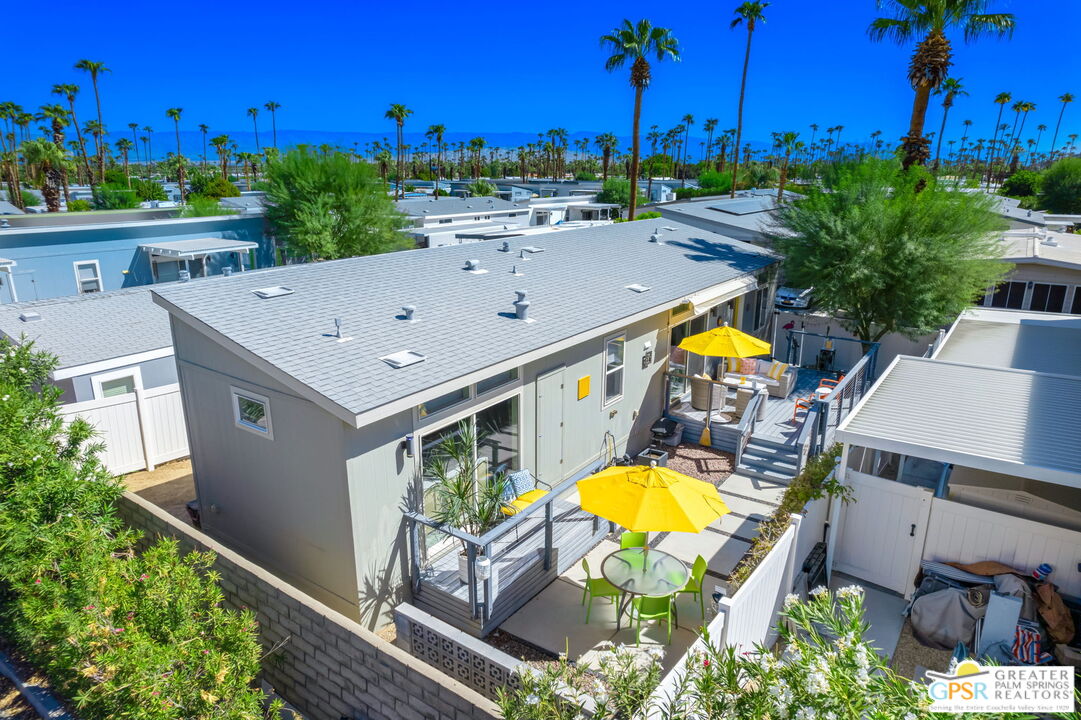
[(119, 633)]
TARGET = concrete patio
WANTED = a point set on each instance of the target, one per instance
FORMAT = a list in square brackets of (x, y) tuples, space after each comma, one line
[(554, 620)]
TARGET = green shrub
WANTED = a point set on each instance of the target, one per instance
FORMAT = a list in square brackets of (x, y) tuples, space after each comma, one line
[(121, 635), (617, 190), (684, 193), (30, 199), (481, 188), (642, 216), (1061, 188), (202, 206), (584, 176), (813, 483), (1023, 183), (148, 190), (217, 188), (79, 205), (112, 197), (116, 176), (714, 180)]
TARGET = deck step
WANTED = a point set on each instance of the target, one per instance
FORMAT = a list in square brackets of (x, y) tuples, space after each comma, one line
[(773, 445), (755, 460), (771, 451), (780, 477)]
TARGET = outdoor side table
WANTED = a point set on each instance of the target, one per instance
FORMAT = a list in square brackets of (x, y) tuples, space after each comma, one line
[(643, 571)]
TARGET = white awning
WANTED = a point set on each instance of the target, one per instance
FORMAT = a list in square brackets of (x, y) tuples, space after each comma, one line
[(710, 297), (200, 247), (6, 265)]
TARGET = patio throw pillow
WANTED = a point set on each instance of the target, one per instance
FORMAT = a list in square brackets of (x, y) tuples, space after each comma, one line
[(776, 370), (521, 482), (733, 364), (748, 366)]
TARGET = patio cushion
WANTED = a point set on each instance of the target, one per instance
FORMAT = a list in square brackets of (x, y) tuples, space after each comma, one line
[(748, 366), (776, 370), (523, 501)]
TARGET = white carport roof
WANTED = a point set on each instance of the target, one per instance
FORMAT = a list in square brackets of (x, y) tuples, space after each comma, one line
[(191, 249), (1005, 420)]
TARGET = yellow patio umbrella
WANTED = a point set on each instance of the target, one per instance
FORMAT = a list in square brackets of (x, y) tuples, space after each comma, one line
[(725, 341), (651, 499)]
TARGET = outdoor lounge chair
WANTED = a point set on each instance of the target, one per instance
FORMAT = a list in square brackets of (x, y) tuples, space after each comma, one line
[(780, 387), (521, 491), (707, 395)]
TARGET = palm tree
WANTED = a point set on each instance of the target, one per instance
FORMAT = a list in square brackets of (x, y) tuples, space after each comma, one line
[(149, 138), (97, 131), (1001, 99), (1023, 108), (929, 20), (964, 136), (174, 114), (124, 146), (96, 69), (709, 126), (1065, 99), (476, 146), (787, 141), (134, 138), (606, 143), (69, 91), (750, 13), (436, 132), (58, 117), (221, 144), (204, 129), (633, 44), (49, 160), (950, 88), (398, 113), (272, 108), (1040, 130), (253, 113), (687, 121)]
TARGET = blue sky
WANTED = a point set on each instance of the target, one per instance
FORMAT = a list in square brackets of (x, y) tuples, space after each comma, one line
[(517, 67)]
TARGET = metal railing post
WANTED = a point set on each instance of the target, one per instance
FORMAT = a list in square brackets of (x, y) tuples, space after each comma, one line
[(548, 536), (488, 582), (414, 556), (471, 576)]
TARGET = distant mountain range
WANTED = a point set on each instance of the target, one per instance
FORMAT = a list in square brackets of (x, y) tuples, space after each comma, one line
[(163, 142)]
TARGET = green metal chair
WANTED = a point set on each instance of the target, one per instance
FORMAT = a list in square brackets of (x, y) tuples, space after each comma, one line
[(633, 540), (694, 585), (596, 587), (647, 607)]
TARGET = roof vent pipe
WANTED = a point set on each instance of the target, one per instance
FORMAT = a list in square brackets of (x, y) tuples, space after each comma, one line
[(656, 237), (472, 265), (408, 312), (521, 306), (227, 270), (506, 245), (184, 276)]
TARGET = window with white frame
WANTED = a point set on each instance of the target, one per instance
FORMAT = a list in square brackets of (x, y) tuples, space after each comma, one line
[(1047, 297), (251, 412), (115, 383), (88, 276), (614, 356)]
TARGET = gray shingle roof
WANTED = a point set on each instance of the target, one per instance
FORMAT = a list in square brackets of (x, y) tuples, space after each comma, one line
[(89, 328), (969, 414), (456, 206), (578, 284)]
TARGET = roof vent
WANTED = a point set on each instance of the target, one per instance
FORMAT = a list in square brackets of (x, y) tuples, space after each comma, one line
[(337, 334), (272, 292), (405, 358), (638, 288), (409, 313), (473, 266), (521, 306), (532, 250), (514, 271), (30, 316), (656, 237), (506, 245), (1049, 241)]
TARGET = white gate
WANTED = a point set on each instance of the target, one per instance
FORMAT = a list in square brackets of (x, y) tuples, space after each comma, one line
[(139, 429), (882, 531)]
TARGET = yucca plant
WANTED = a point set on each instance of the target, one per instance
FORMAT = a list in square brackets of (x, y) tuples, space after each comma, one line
[(467, 497)]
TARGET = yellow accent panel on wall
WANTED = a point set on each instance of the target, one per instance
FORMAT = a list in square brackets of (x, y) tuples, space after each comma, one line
[(583, 387)]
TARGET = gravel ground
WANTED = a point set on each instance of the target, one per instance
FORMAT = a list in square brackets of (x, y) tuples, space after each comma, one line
[(701, 462), (910, 654), (169, 486), (13, 706)]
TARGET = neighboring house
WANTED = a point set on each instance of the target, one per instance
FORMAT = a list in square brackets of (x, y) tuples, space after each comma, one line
[(555, 210), (971, 454), (435, 222), (1020, 218), (7, 208), (747, 217), (1046, 275), (248, 202), (115, 367), (319, 393), (56, 257)]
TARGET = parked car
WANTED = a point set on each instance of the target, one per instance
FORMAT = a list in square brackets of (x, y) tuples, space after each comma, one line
[(793, 297)]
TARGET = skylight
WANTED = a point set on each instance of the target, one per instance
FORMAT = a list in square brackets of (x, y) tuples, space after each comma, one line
[(273, 291)]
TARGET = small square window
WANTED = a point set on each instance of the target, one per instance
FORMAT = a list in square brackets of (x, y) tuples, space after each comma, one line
[(613, 368), (252, 412), (88, 276)]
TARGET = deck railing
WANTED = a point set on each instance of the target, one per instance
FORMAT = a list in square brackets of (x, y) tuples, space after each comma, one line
[(744, 428), (484, 553), (832, 409)]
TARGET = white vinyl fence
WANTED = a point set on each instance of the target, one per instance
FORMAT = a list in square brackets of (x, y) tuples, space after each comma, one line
[(140, 429), (966, 534)]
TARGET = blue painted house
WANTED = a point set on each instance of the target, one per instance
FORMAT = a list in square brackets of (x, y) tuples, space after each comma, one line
[(53, 257)]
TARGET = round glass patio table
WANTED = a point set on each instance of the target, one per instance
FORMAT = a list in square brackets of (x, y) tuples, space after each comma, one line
[(643, 571)]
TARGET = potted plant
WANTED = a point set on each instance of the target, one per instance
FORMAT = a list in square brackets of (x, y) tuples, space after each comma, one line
[(467, 497)]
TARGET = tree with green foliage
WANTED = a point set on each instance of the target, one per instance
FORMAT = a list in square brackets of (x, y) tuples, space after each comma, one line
[(481, 188), (95, 70), (632, 44), (398, 113), (147, 190), (1060, 191), (1022, 184), (48, 160), (885, 257), (326, 206), (119, 633), (749, 13), (618, 190)]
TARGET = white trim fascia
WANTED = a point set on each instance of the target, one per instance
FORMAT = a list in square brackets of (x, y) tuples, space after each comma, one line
[(946, 337), (117, 362), (131, 224), (406, 402)]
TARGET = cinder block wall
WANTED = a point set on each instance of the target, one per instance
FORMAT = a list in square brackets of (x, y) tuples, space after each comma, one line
[(325, 664)]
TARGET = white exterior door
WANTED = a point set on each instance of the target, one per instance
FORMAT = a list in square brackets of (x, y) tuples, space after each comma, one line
[(550, 427), (882, 532)]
